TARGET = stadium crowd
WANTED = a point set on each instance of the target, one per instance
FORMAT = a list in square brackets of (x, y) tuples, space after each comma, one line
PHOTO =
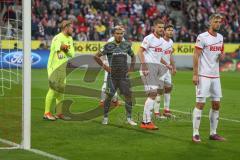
[(94, 19)]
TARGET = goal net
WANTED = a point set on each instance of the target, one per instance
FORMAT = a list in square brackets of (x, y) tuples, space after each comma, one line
[(13, 63)]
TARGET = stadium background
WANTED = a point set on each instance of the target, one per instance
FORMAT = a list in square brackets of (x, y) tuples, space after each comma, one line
[(94, 19)]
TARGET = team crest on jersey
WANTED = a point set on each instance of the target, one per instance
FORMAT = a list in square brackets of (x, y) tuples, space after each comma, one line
[(125, 46), (109, 46)]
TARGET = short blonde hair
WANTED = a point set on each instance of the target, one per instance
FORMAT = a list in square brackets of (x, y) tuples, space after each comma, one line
[(65, 23), (215, 15), (118, 27)]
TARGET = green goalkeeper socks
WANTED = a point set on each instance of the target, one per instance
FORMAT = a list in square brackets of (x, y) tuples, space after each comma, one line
[(50, 98)]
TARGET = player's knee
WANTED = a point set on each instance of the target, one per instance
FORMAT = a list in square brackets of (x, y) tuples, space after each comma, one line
[(109, 95), (160, 91), (158, 98), (200, 105), (50, 94), (128, 98), (152, 95), (167, 89), (215, 105), (104, 86), (103, 89), (128, 102)]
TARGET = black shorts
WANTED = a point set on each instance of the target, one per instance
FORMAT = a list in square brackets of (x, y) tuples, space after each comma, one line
[(124, 86)]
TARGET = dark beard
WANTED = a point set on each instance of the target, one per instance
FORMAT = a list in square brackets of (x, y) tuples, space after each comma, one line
[(118, 41)]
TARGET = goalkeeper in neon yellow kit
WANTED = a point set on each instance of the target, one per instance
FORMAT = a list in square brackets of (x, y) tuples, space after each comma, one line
[(61, 51)]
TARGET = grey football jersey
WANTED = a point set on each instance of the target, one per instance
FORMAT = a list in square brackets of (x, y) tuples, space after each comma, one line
[(117, 58)]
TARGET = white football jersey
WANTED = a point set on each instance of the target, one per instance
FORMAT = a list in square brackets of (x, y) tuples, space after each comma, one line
[(153, 48), (212, 47), (167, 50)]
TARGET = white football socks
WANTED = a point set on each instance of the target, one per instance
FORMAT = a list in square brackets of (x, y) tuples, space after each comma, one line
[(157, 104), (149, 104), (196, 117), (166, 101), (213, 117)]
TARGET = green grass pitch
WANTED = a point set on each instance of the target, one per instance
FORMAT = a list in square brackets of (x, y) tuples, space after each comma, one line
[(90, 140)]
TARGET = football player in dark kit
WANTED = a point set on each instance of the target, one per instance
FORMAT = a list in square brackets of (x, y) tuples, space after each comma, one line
[(117, 53)]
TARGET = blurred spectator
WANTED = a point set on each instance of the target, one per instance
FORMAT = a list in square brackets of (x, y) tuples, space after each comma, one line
[(15, 46), (35, 22), (41, 31), (82, 28), (81, 36), (10, 14), (42, 46), (81, 18), (112, 7), (161, 7), (137, 7), (100, 29), (183, 35), (71, 16), (121, 7), (94, 19)]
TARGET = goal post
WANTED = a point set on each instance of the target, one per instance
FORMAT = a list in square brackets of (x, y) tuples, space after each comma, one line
[(26, 131)]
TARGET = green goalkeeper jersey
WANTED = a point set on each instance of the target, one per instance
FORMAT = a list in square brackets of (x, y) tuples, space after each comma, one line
[(54, 62)]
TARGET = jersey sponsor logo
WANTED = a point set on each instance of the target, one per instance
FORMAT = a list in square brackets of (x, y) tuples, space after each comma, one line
[(168, 52), (216, 48), (119, 53), (158, 49)]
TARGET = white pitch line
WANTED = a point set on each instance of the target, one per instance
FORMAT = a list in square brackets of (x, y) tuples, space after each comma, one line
[(178, 111), (36, 151), (8, 148), (9, 143), (206, 116), (225, 119), (14, 145), (45, 154)]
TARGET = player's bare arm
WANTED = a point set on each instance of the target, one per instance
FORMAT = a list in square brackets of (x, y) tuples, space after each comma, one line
[(222, 55), (144, 67), (196, 55), (174, 70), (133, 61), (98, 59), (169, 66)]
